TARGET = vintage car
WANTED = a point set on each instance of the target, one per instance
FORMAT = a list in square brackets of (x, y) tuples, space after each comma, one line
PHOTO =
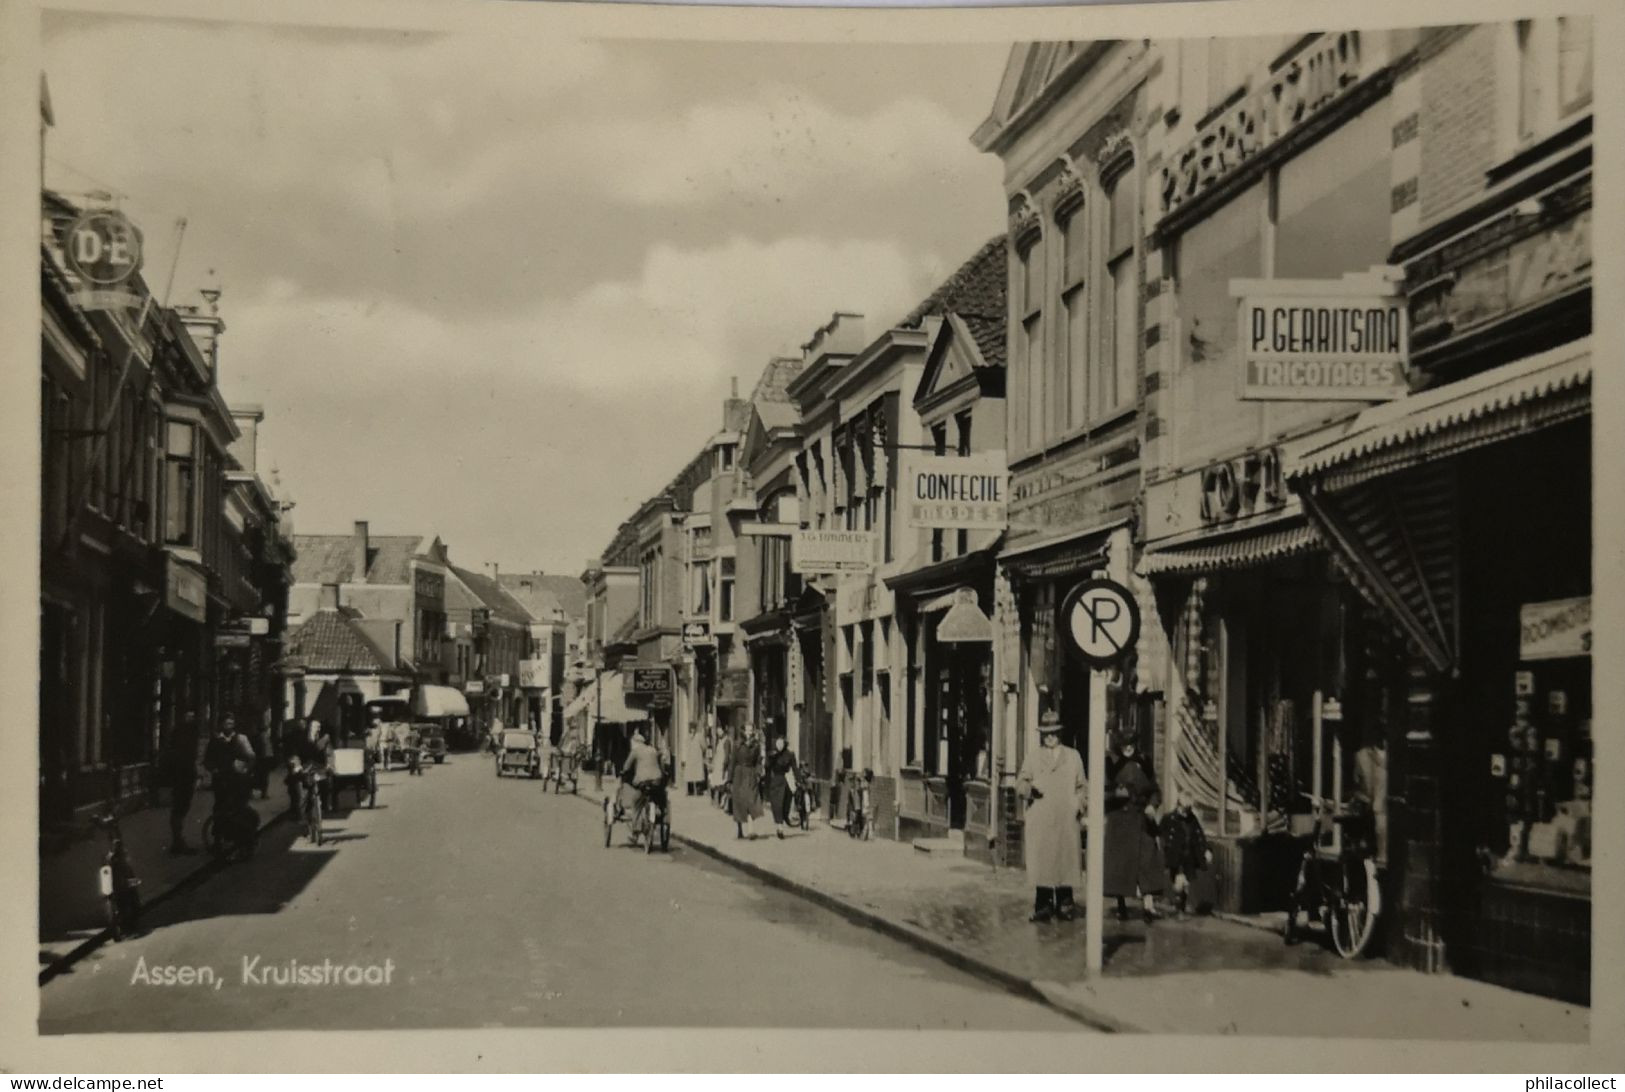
[(431, 740), (521, 754)]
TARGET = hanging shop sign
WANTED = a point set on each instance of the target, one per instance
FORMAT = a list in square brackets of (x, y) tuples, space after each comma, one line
[(1283, 98), (535, 674), (103, 250), (650, 683), (475, 686), (247, 627), (733, 687), (819, 553), (186, 591), (1555, 630), (696, 634), (1321, 341), (1102, 621), (231, 640), (966, 492)]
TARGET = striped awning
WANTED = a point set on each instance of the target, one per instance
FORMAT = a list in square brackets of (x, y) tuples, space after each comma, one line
[(1237, 552), (1545, 389)]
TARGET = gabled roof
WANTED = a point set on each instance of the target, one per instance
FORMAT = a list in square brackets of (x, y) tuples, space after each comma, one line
[(545, 596), (492, 597), (330, 559), (978, 287), (329, 640), (957, 353), (773, 384)]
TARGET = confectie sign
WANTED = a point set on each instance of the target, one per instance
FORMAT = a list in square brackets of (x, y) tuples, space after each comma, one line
[(1555, 630), (814, 553), (946, 491), (1321, 341)]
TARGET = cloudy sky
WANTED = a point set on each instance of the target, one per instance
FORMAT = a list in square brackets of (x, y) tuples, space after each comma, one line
[(494, 288)]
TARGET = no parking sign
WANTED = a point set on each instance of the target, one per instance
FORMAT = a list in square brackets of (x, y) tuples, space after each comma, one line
[(1102, 620)]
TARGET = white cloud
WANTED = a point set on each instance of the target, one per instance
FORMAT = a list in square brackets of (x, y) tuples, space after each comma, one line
[(779, 146)]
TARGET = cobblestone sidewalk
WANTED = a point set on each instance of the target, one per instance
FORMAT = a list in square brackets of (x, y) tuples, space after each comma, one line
[(1197, 976)]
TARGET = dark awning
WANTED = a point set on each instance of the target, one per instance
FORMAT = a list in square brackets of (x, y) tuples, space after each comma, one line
[(1272, 543)]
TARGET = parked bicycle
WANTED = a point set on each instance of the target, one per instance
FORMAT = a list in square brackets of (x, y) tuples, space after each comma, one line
[(806, 796), (859, 817), (310, 801), (119, 883), (1343, 892)]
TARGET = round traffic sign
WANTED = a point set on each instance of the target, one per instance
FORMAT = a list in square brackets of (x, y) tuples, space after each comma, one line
[(1102, 620), (103, 247)]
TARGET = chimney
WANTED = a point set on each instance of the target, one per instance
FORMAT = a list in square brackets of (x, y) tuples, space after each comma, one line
[(733, 387), (330, 597), (491, 569), (205, 325), (359, 557)]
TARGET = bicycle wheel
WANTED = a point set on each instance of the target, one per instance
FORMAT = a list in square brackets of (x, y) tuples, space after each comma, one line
[(609, 828), (1353, 920), (665, 836)]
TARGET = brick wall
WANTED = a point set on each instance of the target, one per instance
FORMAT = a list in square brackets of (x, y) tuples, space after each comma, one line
[(1457, 125)]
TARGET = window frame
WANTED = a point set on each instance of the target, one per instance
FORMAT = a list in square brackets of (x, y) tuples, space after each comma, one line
[(1026, 430), (1116, 255), (192, 461)]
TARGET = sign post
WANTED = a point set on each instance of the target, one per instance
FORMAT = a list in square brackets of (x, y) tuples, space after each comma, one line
[(1103, 622)]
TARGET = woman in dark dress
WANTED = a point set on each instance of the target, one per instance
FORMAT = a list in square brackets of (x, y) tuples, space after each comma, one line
[(781, 772), (1133, 860), (747, 782)]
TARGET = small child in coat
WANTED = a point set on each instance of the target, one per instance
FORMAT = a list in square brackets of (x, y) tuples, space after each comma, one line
[(1189, 860)]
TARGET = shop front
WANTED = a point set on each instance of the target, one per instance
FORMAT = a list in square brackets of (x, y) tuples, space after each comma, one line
[(1282, 683), (947, 771), (869, 658), (1419, 499)]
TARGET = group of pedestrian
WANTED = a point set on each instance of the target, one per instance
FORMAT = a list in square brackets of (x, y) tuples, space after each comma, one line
[(750, 775), (237, 767), (1144, 856)]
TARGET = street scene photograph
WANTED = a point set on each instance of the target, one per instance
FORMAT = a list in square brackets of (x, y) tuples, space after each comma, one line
[(1090, 536)]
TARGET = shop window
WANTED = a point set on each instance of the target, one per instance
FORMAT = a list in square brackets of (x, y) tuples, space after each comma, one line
[(702, 589), (180, 485)]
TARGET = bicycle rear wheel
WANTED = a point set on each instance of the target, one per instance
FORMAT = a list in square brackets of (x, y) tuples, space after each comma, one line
[(1353, 917)]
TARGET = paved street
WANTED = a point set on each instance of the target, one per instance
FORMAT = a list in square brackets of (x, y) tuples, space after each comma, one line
[(500, 907)]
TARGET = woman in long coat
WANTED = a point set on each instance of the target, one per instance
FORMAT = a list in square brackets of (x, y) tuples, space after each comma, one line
[(781, 771), (721, 760), (1133, 860), (1051, 781), (747, 782)]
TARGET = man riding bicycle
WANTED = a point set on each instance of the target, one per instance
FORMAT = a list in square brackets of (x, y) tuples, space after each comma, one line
[(644, 771)]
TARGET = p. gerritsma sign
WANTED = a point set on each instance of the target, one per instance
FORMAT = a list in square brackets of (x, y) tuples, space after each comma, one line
[(966, 492), (1321, 341)]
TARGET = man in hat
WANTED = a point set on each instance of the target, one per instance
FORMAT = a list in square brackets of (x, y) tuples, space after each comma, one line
[(1051, 781)]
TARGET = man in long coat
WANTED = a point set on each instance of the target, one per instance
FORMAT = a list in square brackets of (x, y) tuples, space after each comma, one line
[(1051, 781)]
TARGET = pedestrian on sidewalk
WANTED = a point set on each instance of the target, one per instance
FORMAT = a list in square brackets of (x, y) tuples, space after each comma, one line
[(781, 782), (1052, 783), (721, 767), (747, 781), (264, 756), (1133, 859), (1185, 848), (180, 770)]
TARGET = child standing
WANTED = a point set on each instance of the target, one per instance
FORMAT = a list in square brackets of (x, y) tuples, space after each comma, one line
[(1185, 849)]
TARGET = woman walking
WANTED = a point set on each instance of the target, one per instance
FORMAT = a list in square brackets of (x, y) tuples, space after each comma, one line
[(781, 777), (1133, 859), (1051, 781), (721, 767), (747, 781)]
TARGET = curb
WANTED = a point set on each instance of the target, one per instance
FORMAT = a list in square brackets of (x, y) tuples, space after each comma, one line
[(194, 878), (914, 938)]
